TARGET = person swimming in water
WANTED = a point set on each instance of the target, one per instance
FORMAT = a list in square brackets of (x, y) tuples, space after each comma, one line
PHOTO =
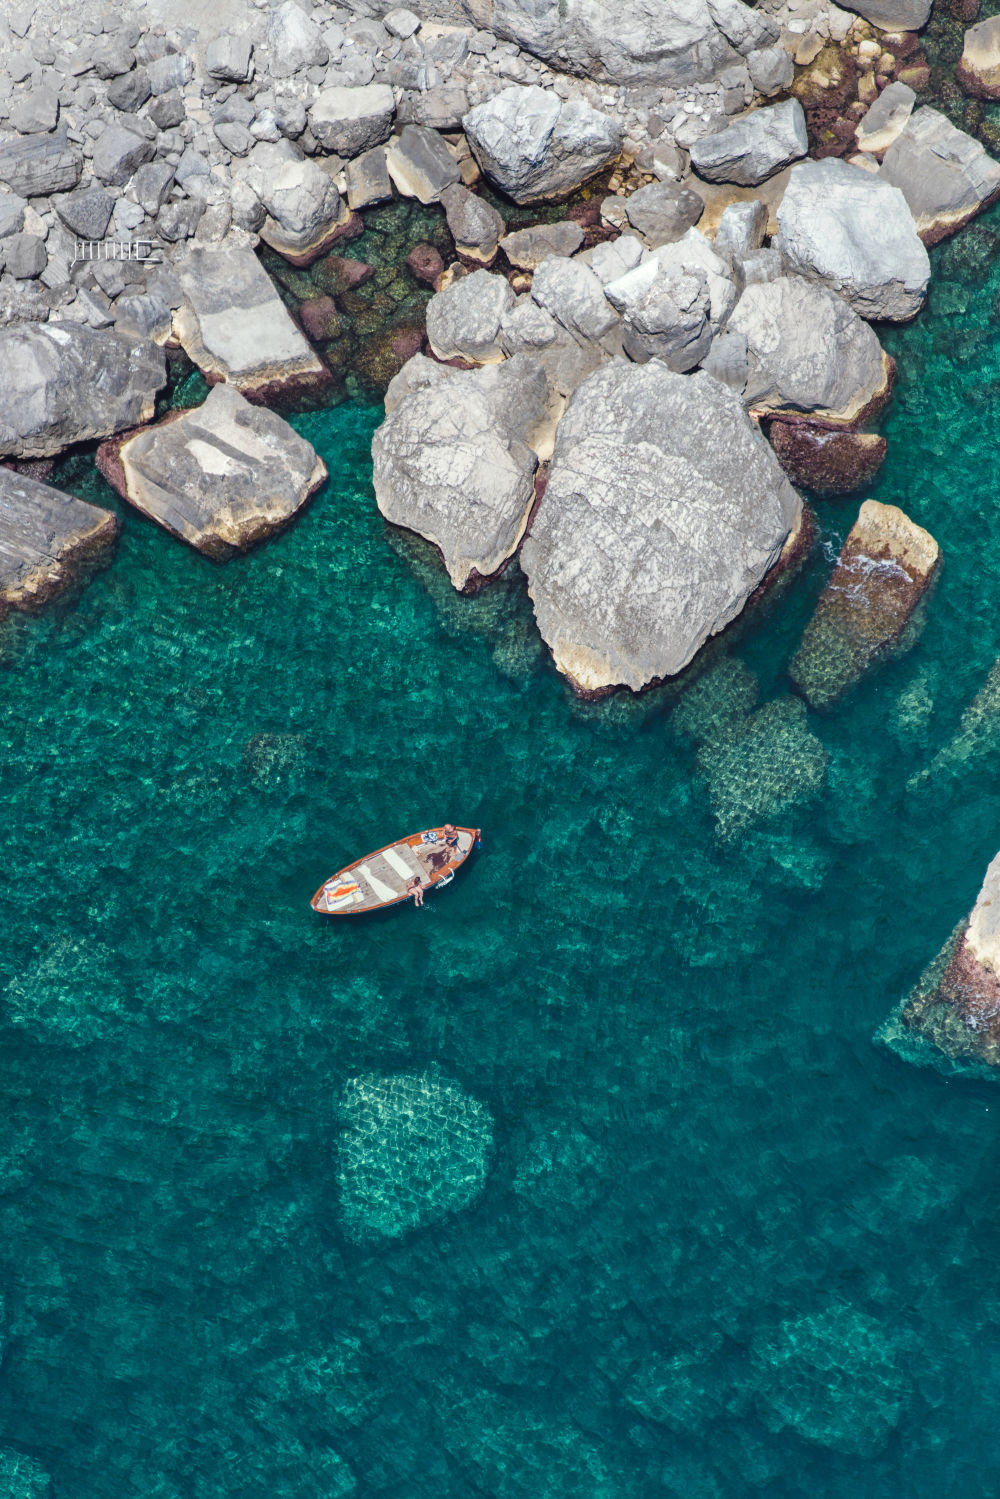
[(415, 888)]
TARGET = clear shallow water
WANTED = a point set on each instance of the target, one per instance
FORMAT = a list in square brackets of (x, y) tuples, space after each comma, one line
[(590, 1179)]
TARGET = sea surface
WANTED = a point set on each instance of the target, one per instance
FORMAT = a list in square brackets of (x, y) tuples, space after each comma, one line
[(604, 1176)]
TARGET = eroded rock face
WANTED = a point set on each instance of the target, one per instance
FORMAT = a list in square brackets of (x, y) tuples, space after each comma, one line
[(978, 69), (956, 1004), (46, 538), (532, 145), (807, 351), (755, 147), (885, 119), (527, 248), (305, 210), (842, 225), (463, 321), (65, 383), (945, 175), (666, 314), (413, 1148), (664, 509), (828, 463), (221, 476), (895, 15), (453, 460), (884, 568), (235, 327)]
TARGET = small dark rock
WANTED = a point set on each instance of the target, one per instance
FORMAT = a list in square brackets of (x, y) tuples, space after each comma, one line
[(828, 463), (320, 319), (167, 111), (426, 263), (130, 91)]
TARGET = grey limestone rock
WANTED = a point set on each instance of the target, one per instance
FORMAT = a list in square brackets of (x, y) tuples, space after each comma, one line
[(146, 315), (112, 56), (771, 70), (532, 145), (178, 221), (130, 92), (475, 225), (46, 536), (741, 230), (167, 112), (463, 322), (368, 180), (666, 312), (727, 359), (23, 256), (235, 137), (844, 226), (420, 164), (294, 41), (303, 205), (753, 148), (945, 175), (86, 213), (663, 511), (117, 154), (401, 23), (441, 107), (724, 279), (170, 72), (351, 120), (230, 58), (613, 258), (809, 352), (453, 461), (529, 329), (527, 248), (36, 111), (235, 327), (663, 211), (574, 295), (11, 214), (978, 70), (884, 120), (36, 165), (65, 383), (894, 15), (221, 476)]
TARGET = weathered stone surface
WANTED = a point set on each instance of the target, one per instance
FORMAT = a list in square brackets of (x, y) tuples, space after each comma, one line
[(884, 568), (221, 477), (809, 352), (666, 314), (230, 58), (46, 538), (86, 213), (956, 1003), (662, 211), (978, 69), (112, 56), (527, 248), (571, 292), (693, 252), (741, 230), (463, 322), (827, 462), (11, 214), (452, 459), (23, 256), (35, 112), (172, 71), (235, 327), (130, 92), (368, 180), (840, 224), (532, 145), (294, 41), (613, 258), (884, 120), (475, 225), (305, 210), (441, 108), (528, 328), (771, 70), (895, 15), (945, 175), (117, 154), (755, 147), (352, 120), (66, 383), (420, 164), (36, 165), (664, 509)]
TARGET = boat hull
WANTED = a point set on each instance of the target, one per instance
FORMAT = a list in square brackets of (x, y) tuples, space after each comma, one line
[(379, 880)]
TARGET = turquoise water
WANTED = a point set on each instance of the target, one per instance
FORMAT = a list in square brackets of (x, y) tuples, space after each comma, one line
[(588, 1181)]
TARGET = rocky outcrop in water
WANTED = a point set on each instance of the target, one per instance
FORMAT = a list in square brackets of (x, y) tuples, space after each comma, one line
[(956, 1003), (945, 175), (47, 540), (827, 462), (221, 476), (978, 69), (532, 145), (63, 383), (883, 571), (664, 509), (454, 459), (842, 225)]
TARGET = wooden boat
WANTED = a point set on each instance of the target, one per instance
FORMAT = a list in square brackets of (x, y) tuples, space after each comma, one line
[(380, 879)]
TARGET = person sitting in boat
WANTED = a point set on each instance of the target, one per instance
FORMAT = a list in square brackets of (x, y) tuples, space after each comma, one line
[(451, 839), (415, 888)]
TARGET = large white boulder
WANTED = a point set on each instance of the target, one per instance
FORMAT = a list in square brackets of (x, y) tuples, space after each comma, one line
[(533, 145)]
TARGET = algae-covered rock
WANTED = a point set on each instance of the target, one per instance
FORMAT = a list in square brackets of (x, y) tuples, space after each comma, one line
[(884, 568), (833, 1377), (829, 463), (21, 1477), (761, 766), (717, 701), (978, 732), (413, 1148), (71, 995)]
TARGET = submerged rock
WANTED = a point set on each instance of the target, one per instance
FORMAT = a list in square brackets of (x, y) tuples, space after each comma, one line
[(235, 327), (21, 1477), (413, 1148), (532, 145), (753, 148), (883, 570), (221, 476), (978, 733), (65, 383), (956, 1003), (758, 767), (664, 509), (808, 351), (945, 175), (453, 460), (842, 225), (828, 463), (46, 539)]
